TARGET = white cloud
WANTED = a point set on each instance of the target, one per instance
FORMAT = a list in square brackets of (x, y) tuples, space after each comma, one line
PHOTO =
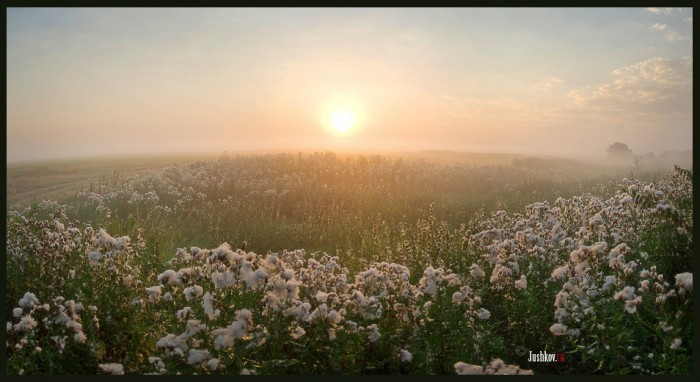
[(547, 84), (653, 85), (661, 11), (659, 27), (671, 34)]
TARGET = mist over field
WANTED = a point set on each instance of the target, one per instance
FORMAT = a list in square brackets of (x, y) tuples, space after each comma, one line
[(237, 191)]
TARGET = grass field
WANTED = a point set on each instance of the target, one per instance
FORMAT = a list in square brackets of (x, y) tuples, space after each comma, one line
[(307, 263)]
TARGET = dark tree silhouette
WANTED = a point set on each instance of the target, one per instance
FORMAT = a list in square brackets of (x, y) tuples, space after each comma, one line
[(619, 151)]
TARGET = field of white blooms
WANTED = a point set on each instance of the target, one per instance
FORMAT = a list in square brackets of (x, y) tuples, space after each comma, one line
[(406, 268)]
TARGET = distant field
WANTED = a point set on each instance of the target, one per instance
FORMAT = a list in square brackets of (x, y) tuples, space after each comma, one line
[(60, 179)]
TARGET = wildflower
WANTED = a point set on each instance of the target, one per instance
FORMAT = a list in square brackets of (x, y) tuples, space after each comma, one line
[(574, 333), (255, 279), (79, 337), (183, 313), (476, 272), (197, 356), (298, 332), (321, 297), (27, 323), (193, 327), (562, 299), (462, 368), (213, 364), (193, 292), (374, 333), (626, 294), (676, 343), (484, 314), (558, 329), (223, 279), (154, 293), (685, 282), (335, 317), (595, 220), (405, 355), (559, 273), (430, 280), (609, 281), (172, 341), (157, 363), (112, 368), (28, 301), (170, 277), (209, 307), (244, 321), (522, 283), (16, 312), (665, 327)]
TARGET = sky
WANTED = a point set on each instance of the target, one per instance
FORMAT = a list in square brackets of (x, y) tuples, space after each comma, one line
[(554, 81)]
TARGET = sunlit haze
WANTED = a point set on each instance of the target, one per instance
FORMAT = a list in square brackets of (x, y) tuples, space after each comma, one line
[(88, 81)]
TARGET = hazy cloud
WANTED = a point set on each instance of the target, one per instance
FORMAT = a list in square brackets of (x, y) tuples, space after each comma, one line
[(661, 11), (659, 27), (659, 83), (547, 84), (671, 34)]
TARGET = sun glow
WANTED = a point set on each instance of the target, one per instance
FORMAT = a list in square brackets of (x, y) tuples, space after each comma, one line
[(342, 115), (342, 121)]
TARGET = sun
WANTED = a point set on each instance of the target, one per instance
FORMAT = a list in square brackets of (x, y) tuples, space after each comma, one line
[(342, 121), (343, 115)]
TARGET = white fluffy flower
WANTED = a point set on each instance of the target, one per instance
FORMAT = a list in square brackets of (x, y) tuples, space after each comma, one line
[(193, 292), (208, 306), (17, 312), (484, 314), (29, 300), (676, 343), (627, 293), (154, 293), (522, 283), (462, 368), (665, 327), (170, 277), (685, 282), (405, 355), (298, 332), (112, 368), (559, 273), (558, 329), (26, 324), (213, 364), (197, 356), (476, 272), (374, 333)]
